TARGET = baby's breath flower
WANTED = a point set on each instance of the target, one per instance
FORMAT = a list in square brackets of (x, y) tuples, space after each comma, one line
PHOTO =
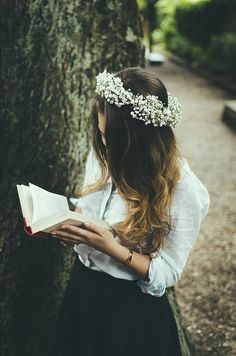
[(146, 108)]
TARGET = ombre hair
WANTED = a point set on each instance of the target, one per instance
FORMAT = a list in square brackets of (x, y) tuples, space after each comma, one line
[(142, 160)]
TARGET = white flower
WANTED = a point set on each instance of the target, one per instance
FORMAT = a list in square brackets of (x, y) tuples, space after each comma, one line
[(148, 109)]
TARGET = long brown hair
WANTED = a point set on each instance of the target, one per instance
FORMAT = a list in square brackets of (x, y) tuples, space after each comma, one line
[(142, 160)]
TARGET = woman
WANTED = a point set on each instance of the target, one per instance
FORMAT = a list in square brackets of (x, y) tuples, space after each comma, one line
[(137, 181)]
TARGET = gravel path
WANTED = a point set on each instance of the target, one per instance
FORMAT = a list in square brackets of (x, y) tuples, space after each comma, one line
[(207, 290)]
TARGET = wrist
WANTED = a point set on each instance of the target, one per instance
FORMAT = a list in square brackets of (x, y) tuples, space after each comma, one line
[(119, 252), (139, 263)]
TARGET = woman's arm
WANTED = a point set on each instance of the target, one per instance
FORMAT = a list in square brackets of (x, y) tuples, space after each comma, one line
[(139, 263), (163, 269), (189, 208)]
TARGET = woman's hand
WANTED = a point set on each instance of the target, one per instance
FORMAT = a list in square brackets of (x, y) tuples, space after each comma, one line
[(90, 234), (66, 242)]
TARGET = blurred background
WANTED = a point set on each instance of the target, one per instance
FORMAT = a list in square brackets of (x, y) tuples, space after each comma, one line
[(201, 33), (51, 52)]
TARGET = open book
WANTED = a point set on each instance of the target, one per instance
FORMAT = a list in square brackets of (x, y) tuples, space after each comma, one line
[(44, 211)]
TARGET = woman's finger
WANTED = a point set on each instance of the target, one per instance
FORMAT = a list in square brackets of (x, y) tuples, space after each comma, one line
[(95, 228), (85, 233), (58, 234)]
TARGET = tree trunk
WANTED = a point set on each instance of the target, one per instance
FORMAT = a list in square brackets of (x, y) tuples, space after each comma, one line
[(51, 53), (187, 346)]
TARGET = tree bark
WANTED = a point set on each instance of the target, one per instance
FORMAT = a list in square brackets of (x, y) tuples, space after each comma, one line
[(187, 346), (51, 53)]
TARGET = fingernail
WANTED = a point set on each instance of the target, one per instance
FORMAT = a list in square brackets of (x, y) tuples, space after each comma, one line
[(54, 235), (62, 227)]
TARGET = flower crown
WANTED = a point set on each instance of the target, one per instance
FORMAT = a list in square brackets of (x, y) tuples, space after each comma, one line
[(146, 108)]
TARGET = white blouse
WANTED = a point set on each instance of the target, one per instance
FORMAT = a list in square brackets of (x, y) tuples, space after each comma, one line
[(189, 207)]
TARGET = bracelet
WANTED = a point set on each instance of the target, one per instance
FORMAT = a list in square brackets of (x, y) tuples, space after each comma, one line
[(129, 258)]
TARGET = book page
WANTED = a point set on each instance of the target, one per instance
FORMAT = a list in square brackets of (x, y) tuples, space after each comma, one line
[(46, 204), (28, 203)]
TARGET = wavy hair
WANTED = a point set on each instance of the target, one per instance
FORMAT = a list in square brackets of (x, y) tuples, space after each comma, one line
[(142, 160)]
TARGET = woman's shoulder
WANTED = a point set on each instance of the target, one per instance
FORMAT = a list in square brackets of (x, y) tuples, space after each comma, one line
[(187, 174)]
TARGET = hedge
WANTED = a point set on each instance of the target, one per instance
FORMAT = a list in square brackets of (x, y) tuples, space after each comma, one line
[(203, 33)]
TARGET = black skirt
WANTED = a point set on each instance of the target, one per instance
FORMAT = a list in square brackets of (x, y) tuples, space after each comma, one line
[(104, 315)]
